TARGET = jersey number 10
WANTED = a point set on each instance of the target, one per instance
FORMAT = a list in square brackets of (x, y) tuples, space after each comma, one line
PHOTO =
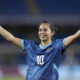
[(40, 60)]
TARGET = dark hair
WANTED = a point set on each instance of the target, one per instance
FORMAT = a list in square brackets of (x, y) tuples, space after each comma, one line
[(51, 26)]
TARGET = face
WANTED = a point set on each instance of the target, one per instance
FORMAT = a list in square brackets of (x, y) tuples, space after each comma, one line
[(45, 32)]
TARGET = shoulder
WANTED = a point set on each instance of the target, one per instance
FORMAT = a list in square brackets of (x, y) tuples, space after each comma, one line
[(30, 42), (59, 42)]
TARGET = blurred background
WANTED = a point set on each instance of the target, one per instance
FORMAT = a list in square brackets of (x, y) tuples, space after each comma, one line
[(22, 19)]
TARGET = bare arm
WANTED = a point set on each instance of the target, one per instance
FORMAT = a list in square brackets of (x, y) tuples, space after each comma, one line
[(8, 36), (69, 40)]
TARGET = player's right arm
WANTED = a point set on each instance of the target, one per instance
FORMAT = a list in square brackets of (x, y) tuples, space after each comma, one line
[(71, 39), (9, 37)]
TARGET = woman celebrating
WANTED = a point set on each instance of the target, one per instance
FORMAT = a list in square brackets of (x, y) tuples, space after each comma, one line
[(43, 58)]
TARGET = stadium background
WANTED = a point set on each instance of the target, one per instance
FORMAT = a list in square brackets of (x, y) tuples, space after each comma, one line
[(22, 18)]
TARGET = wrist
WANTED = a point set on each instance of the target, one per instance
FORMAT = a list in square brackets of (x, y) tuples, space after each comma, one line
[(77, 35)]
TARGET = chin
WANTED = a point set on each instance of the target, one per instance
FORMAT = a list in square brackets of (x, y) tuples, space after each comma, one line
[(44, 40)]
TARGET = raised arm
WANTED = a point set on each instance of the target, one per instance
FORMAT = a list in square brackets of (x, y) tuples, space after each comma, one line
[(8, 36), (69, 40)]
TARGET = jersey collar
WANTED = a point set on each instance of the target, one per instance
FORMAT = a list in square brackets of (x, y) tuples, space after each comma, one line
[(44, 47)]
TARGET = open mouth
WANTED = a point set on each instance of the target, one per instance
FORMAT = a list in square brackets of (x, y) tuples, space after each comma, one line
[(43, 36)]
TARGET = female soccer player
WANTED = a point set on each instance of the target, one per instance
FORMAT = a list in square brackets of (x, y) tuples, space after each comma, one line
[(43, 58)]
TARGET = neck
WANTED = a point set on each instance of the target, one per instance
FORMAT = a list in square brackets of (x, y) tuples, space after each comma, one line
[(44, 43)]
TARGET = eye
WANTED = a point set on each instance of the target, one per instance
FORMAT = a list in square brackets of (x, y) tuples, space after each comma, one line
[(40, 29), (43, 29)]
